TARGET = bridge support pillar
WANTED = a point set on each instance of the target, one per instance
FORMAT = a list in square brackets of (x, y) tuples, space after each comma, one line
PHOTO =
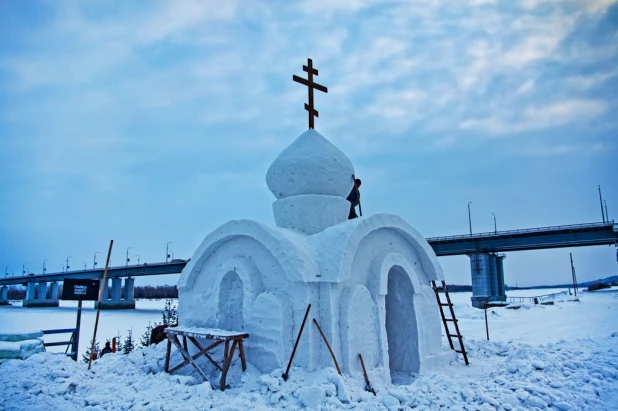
[(106, 290), (487, 278), (53, 291), (129, 289), (42, 291), (116, 302), (4, 295), (116, 289), (30, 291), (41, 299)]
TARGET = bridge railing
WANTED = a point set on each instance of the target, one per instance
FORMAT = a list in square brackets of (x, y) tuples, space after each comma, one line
[(522, 231), (538, 298), (116, 267)]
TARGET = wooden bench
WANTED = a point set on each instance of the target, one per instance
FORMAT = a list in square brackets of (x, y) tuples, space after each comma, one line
[(219, 337)]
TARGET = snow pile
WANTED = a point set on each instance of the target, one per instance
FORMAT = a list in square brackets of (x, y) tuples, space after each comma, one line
[(581, 374), (20, 345)]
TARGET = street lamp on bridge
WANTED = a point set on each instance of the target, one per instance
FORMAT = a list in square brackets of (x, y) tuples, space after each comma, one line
[(6, 270), (84, 265), (23, 268), (167, 251), (68, 266), (495, 226), (470, 217), (138, 257), (94, 264), (44, 269), (128, 259)]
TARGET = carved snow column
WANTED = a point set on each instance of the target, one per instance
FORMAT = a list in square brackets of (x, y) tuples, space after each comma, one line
[(311, 180), (116, 289), (53, 291), (4, 292), (129, 289), (42, 295)]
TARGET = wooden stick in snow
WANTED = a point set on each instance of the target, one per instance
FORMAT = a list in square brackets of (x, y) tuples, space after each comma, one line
[(96, 322), (302, 326)]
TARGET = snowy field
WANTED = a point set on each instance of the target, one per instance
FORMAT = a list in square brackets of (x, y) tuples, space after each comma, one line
[(561, 357)]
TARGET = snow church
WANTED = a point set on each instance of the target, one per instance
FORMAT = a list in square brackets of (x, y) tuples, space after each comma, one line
[(367, 279)]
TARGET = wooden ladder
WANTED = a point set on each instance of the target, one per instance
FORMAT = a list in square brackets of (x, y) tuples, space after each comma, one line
[(443, 289)]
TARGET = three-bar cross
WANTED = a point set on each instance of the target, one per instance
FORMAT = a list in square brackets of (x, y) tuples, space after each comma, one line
[(310, 85)]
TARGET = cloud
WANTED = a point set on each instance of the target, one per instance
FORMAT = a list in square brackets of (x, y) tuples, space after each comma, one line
[(562, 149), (539, 117)]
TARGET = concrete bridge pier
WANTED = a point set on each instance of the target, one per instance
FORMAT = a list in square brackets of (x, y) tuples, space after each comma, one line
[(117, 302), (36, 295), (487, 278), (4, 295)]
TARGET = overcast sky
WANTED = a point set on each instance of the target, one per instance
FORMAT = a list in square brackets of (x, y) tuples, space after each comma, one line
[(154, 121)]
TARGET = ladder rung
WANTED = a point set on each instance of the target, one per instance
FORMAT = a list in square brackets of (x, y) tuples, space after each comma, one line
[(460, 351), (453, 335), (445, 304), (451, 319)]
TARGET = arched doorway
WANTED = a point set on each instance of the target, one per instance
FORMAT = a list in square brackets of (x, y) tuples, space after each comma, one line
[(401, 326), (231, 302)]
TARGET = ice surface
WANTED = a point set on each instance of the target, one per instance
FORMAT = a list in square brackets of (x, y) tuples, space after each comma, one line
[(526, 364)]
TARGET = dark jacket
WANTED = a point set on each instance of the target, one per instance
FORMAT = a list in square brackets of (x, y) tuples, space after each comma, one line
[(106, 350), (354, 197)]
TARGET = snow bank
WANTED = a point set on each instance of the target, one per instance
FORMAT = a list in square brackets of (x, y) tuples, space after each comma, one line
[(581, 374)]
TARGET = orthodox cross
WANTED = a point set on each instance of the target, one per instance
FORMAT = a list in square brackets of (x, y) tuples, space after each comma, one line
[(310, 85)]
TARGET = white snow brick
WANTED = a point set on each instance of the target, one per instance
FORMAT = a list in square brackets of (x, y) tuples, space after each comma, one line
[(311, 397)]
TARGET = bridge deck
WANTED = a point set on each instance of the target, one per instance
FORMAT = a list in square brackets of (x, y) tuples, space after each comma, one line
[(501, 241)]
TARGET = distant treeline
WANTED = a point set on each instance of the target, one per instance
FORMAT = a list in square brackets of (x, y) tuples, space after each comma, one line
[(18, 292), (454, 288), (160, 291)]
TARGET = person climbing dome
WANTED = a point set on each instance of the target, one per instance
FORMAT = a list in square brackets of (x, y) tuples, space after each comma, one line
[(354, 199), (106, 349)]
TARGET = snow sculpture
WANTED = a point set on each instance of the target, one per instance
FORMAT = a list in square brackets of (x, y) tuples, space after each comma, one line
[(367, 279)]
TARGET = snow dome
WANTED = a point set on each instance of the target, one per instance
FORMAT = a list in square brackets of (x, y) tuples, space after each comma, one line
[(367, 279)]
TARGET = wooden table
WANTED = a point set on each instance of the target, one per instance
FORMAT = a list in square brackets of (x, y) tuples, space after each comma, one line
[(219, 337)]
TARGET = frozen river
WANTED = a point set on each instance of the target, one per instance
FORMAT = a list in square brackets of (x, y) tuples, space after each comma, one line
[(114, 322), (111, 322)]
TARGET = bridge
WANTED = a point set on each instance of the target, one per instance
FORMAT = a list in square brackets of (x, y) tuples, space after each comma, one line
[(482, 248)]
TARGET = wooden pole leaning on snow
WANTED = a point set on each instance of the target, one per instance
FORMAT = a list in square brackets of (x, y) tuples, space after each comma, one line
[(328, 346), (102, 288), (368, 386), (302, 326)]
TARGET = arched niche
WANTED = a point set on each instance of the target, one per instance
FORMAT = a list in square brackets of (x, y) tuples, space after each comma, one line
[(402, 331), (359, 329), (231, 302)]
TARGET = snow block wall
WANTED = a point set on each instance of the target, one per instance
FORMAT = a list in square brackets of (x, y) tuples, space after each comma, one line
[(367, 279)]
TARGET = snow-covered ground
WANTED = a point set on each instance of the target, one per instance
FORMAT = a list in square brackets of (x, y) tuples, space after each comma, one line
[(538, 357)]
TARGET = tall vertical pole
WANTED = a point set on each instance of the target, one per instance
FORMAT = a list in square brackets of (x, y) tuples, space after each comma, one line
[(606, 215), (470, 217), (486, 324), (601, 201), (495, 225), (96, 322), (573, 274), (77, 329)]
